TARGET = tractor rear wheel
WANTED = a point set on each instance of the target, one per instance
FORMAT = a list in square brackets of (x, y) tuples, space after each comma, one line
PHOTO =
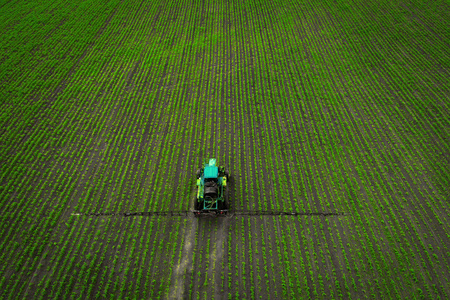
[(197, 204), (225, 203)]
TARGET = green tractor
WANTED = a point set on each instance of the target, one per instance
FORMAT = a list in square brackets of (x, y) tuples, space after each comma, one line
[(211, 182)]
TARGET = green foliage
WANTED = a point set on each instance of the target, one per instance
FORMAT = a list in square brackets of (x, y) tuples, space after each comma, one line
[(108, 106)]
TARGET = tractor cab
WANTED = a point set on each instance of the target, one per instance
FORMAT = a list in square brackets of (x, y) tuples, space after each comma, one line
[(211, 181)]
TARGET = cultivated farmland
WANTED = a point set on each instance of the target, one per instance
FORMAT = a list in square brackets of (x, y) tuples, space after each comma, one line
[(313, 106)]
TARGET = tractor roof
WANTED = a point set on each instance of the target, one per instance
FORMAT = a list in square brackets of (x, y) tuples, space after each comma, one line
[(211, 172)]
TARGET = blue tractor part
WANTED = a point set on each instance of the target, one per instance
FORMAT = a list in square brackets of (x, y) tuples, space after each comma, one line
[(211, 182)]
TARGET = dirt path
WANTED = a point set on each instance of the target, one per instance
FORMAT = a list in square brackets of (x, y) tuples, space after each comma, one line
[(178, 276), (216, 257)]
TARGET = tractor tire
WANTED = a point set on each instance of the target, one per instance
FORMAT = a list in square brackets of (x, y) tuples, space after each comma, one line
[(225, 203), (197, 204)]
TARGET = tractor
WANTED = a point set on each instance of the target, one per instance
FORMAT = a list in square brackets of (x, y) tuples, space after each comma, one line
[(211, 182)]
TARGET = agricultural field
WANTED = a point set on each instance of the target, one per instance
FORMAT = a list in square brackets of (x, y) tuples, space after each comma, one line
[(313, 106)]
